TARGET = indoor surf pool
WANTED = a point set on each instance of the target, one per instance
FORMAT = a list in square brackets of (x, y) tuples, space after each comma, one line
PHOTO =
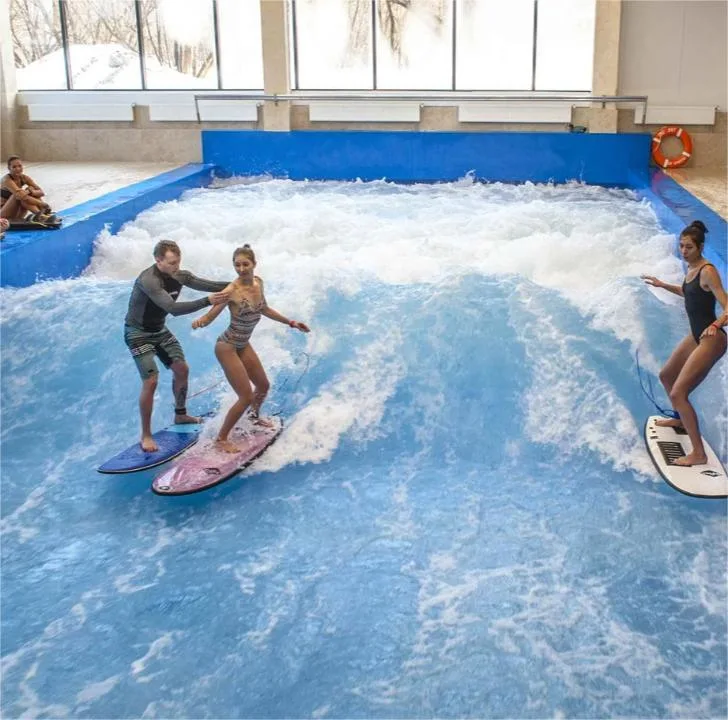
[(460, 519)]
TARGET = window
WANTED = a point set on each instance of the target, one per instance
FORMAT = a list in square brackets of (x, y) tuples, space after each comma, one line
[(414, 45), (500, 45), (494, 44), (565, 47), (333, 44), (103, 45), (179, 44), (35, 26), (241, 48)]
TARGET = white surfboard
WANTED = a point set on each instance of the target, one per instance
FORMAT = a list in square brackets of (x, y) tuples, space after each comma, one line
[(665, 444)]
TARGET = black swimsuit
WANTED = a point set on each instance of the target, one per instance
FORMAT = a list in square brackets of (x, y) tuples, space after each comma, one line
[(699, 304)]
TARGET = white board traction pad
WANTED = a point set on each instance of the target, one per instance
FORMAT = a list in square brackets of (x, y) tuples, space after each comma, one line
[(665, 444)]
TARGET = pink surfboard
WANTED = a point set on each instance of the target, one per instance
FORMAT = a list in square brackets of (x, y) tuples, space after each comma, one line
[(206, 466)]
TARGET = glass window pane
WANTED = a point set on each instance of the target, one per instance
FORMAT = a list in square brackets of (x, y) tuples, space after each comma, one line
[(494, 44), (35, 26), (334, 44), (565, 44), (179, 44), (414, 45), (102, 38), (241, 48)]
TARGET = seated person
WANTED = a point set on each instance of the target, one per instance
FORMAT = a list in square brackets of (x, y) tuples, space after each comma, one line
[(21, 198)]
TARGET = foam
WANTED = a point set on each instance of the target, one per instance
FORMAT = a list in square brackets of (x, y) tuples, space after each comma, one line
[(587, 244)]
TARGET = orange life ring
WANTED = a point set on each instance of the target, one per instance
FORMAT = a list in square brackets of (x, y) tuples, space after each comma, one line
[(678, 160)]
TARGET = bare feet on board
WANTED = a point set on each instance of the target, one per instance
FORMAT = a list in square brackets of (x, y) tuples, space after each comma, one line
[(262, 421), (226, 446), (690, 460), (187, 420), (148, 444), (669, 422)]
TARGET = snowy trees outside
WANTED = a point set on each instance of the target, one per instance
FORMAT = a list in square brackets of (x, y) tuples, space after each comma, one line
[(338, 44)]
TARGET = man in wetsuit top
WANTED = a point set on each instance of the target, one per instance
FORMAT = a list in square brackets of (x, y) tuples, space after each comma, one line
[(155, 295)]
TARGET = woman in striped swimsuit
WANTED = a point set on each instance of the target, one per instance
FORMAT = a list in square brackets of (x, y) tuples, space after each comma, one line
[(233, 349)]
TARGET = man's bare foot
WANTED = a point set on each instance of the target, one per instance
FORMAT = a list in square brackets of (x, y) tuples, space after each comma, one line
[(226, 446), (690, 460), (669, 422), (148, 444), (187, 420)]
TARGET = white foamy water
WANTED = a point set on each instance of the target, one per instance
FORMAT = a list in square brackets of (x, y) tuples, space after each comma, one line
[(460, 519), (585, 243)]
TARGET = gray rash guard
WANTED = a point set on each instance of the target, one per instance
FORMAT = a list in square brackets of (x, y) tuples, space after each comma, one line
[(155, 295)]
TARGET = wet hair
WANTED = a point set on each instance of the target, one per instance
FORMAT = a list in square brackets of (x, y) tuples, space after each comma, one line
[(12, 159), (245, 250), (696, 232), (165, 246)]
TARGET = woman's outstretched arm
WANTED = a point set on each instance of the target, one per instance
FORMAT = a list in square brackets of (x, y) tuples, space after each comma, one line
[(652, 280), (269, 312)]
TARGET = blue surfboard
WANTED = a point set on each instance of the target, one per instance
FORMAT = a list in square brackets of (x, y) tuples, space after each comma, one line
[(172, 441)]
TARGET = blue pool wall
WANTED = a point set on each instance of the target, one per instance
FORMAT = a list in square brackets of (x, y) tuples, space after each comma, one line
[(611, 160), (27, 257), (676, 208), (405, 157)]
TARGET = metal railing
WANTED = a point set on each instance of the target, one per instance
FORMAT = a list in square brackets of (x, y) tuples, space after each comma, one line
[(439, 98)]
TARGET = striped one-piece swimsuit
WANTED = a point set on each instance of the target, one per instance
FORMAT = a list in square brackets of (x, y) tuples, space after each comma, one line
[(243, 319)]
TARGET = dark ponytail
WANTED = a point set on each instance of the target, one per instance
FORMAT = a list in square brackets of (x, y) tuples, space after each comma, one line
[(696, 231)]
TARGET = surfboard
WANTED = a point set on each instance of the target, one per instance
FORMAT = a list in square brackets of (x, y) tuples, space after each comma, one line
[(172, 441), (666, 444), (206, 466), (34, 225)]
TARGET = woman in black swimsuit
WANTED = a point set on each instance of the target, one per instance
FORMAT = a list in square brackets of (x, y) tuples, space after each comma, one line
[(696, 354)]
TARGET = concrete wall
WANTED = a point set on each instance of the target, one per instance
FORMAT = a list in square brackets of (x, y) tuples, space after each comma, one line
[(139, 140)]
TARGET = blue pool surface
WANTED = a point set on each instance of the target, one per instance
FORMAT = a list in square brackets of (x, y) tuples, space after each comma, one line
[(460, 519)]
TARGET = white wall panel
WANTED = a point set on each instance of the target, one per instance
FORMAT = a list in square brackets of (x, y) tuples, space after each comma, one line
[(364, 111), (674, 51), (517, 112)]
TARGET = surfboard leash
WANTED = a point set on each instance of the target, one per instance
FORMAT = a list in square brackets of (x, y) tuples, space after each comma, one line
[(296, 384), (204, 390), (651, 395)]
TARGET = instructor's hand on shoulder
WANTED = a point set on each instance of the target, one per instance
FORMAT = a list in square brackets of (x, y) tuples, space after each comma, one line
[(219, 298)]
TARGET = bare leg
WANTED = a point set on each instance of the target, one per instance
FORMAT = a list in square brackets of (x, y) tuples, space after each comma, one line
[(698, 365), (33, 205), (240, 382), (12, 209), (257, 376), (146, 405), (180, 379), (671, 370)]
